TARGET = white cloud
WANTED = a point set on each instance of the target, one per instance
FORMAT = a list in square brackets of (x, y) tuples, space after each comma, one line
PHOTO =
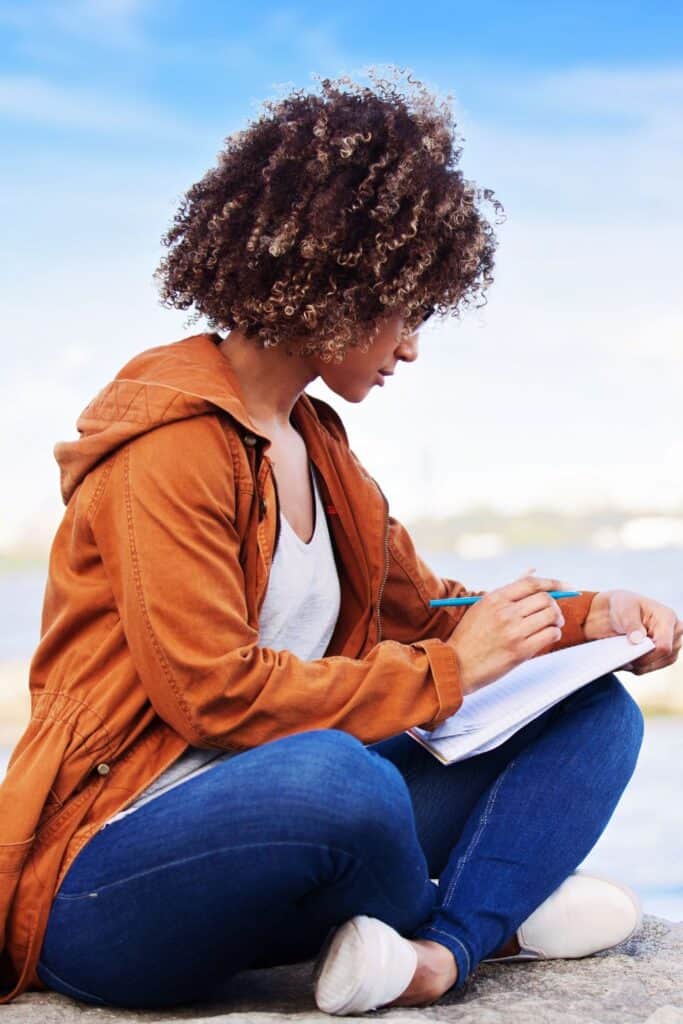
[(111, 23), (114, 22), (564, 391), (108, 9), (594, 145), (653, 95), (311, 44), (31, 98)]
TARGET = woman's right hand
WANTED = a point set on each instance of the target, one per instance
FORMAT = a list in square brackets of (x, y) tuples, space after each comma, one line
[(506, 627)]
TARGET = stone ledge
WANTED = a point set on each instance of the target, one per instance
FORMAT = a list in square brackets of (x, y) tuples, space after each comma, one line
[(639, 982)]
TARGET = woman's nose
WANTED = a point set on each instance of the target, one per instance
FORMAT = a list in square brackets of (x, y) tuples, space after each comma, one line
[(408, 349)]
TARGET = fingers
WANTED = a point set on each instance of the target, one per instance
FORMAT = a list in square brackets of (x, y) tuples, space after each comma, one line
[(678, 636), (527, 585), (541, 620), (667, 637), (526, 608), (534, 644), (536, 616), (539, 602), (561, 585), (664, 634)]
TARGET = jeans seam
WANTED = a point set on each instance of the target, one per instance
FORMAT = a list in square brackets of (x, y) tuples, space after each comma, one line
[(439, 931), (52, 977), (241, 846), (477, 835)]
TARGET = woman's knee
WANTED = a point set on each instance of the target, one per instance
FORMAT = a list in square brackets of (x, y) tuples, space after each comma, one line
[(362, 792), (318, 755)]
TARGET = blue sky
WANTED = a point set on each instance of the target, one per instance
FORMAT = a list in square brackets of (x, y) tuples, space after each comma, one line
[(564, 390)]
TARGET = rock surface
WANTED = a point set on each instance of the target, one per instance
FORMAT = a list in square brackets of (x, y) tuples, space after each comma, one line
[(639, 982)]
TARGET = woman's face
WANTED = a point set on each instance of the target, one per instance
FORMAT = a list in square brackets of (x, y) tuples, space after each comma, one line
[(353, 378)]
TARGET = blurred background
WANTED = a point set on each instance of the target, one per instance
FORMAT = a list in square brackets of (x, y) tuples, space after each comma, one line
[(543, 430)]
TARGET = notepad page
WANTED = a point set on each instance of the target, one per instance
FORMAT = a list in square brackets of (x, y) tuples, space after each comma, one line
[(455, 748), (500, 708)]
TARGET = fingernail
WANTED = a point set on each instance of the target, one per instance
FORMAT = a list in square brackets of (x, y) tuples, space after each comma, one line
[(636, 636)]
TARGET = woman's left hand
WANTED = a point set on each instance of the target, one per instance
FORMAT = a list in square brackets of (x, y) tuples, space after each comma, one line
[(621, 612)]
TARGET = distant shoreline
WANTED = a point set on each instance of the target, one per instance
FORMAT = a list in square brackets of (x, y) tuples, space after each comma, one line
[(484, 532), (10, 566)]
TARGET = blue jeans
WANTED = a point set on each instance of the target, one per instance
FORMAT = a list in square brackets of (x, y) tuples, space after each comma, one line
[(251, 863)]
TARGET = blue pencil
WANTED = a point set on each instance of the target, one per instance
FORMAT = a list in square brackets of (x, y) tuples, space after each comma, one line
[(442, 602)]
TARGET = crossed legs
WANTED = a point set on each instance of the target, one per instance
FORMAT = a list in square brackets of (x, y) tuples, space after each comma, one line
[(253, 862)]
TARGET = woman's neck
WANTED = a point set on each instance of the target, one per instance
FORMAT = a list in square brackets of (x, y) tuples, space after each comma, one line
[(270, 379)]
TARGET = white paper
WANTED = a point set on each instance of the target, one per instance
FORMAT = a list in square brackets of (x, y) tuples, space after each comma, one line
[(493, 713)]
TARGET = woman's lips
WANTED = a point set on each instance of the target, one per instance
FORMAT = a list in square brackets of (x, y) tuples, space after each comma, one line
[(379, 379)]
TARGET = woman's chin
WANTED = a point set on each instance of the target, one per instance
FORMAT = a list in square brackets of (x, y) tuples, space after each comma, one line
[(353, 393)]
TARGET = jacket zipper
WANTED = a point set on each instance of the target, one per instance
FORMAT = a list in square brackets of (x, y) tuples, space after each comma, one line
[(385, 573), (262, 513)]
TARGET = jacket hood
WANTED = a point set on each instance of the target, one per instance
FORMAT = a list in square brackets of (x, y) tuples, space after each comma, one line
[(171, 382)]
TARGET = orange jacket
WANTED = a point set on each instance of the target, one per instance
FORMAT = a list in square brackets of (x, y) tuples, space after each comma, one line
[(149, 634)]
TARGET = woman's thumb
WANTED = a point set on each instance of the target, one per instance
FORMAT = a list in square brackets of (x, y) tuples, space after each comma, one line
[(636, 632)]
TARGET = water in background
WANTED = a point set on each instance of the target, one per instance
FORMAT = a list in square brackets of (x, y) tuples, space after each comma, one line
[(657, 573), (21, 598), (643, 843)]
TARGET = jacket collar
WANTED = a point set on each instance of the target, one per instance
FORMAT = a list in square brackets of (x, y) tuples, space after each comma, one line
[(161, 385), (196, 367)]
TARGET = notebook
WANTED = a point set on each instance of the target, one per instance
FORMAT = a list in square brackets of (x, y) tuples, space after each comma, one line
[(493, 713)]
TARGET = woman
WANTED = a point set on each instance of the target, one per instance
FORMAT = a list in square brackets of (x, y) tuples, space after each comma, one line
[(236, 633)]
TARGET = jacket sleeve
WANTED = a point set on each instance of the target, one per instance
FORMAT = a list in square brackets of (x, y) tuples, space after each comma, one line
[(411, 584), (165, 528)]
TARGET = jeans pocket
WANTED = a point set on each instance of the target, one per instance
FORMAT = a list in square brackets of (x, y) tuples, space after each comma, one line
[(63, 896)]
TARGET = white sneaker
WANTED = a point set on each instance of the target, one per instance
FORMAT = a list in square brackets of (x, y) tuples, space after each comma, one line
[(364, 964), (585, 915)]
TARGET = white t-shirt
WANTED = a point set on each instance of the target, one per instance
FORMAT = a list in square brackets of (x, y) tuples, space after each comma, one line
[(298, 614)]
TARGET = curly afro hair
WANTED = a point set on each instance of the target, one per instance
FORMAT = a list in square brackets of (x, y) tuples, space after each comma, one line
[(329, 213)]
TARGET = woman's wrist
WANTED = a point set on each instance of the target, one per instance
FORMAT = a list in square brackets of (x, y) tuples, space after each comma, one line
[(597, 622)]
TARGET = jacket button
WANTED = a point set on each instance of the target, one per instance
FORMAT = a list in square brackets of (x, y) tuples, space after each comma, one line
[(250, 440), (103, 769)]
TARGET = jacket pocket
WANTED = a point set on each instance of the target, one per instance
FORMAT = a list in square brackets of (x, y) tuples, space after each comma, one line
[(13, 855)]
